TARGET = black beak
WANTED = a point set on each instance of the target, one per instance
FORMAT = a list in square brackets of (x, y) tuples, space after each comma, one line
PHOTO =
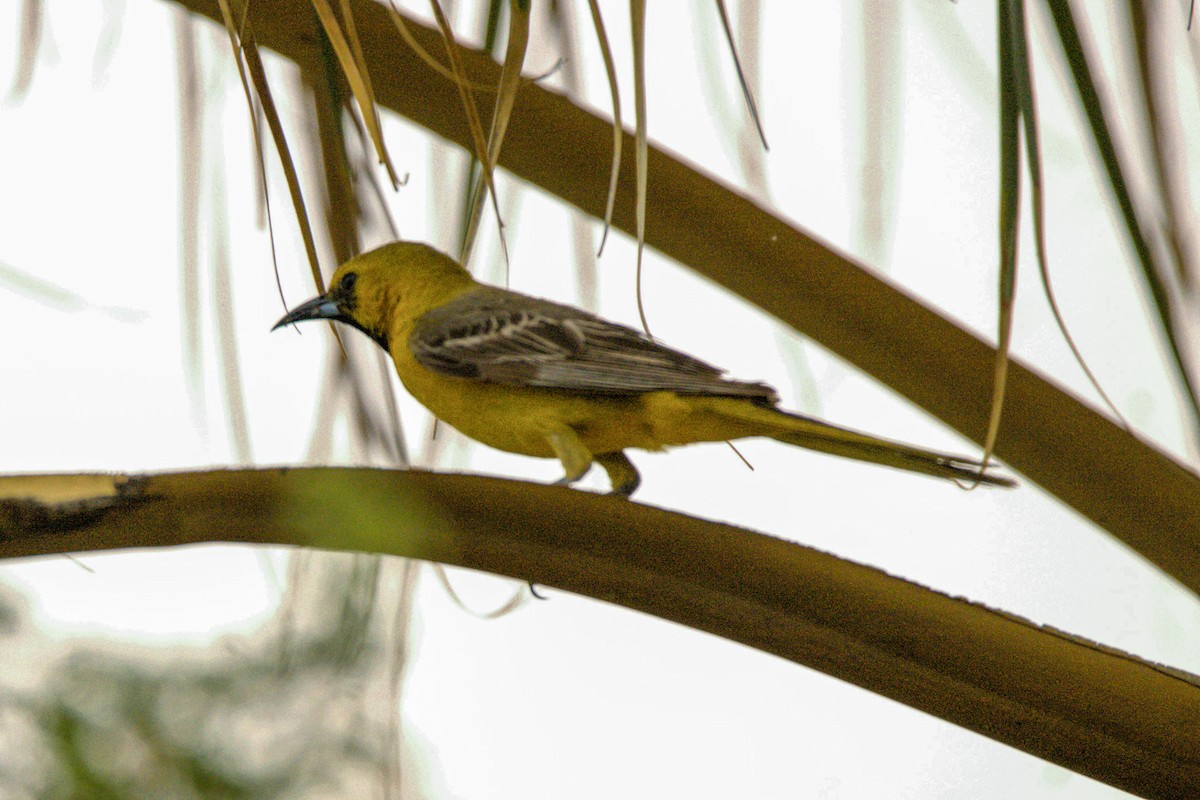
[(326, 307), (321, 307)]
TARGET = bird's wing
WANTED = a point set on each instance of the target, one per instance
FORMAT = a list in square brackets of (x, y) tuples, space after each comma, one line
[(503, 337)]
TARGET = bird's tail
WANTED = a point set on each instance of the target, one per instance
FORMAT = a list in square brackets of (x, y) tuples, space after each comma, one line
[(802, 431)]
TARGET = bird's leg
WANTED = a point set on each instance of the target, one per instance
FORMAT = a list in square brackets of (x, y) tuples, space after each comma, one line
[(622, 474), (572, 452)]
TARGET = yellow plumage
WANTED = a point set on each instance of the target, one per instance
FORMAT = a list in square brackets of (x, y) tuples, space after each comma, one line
[(546, 380)]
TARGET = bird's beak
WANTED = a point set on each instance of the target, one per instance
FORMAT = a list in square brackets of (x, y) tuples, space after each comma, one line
[(320, 307)]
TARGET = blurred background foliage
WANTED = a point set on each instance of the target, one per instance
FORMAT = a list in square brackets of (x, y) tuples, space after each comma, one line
[(303, 708)]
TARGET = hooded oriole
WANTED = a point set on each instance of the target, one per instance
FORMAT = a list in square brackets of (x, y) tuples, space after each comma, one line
[(542, 379)]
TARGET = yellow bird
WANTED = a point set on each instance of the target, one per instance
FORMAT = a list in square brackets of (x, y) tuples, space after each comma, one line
[(529, 376)]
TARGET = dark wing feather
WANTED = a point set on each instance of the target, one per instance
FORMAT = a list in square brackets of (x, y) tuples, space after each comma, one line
[(503, 337)]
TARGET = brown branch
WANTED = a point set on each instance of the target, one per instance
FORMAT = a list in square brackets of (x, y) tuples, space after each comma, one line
[(1093, 710)]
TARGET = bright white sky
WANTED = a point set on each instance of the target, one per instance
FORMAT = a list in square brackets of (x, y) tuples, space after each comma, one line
[(571, 697)]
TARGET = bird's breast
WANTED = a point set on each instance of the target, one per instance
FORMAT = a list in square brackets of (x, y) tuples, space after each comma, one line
[(518, 419)]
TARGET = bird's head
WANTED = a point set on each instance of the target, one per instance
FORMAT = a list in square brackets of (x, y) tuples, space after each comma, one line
[(374, 290)]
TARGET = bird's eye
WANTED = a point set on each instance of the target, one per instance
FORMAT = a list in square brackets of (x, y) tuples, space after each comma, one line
[(348, 281)]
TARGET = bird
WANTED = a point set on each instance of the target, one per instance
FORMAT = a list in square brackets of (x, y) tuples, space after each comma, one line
[(543, 379)]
